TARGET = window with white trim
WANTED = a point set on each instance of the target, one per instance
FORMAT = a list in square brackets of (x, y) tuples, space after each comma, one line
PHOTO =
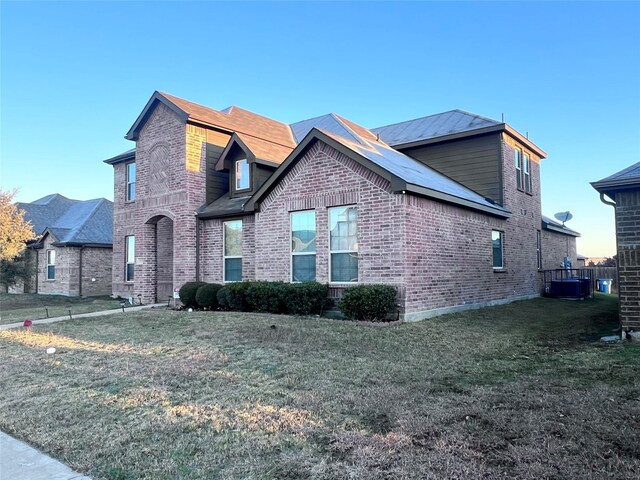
[(303, 246), (343, 244), (232, 250), (130, 257), (539, 248), (242, 174), (497, 243), (526, 171), (51, 264), (131, 182), (517, 154)]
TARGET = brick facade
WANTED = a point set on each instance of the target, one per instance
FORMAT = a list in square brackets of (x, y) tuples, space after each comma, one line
[(94, 264), (628, 238), (438, 255)]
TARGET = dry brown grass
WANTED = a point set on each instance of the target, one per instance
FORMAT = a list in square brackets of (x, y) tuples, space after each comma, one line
[(519, 391), (19, 307)]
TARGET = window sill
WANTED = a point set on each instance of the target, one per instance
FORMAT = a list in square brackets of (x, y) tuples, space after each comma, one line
[(129, 201), (499, 270)]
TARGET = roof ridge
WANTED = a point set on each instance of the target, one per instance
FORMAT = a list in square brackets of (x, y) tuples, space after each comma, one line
[(228, 114), (476, 115), (349, 130)]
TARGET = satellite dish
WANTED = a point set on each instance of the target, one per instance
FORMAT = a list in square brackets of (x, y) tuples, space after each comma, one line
[(563, 217)]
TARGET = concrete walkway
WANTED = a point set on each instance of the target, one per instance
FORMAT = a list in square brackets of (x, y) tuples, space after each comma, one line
[(113, 311), (19, 461)]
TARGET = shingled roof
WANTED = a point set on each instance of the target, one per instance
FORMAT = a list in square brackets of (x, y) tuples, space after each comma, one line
[(71, 222), (624, 179)]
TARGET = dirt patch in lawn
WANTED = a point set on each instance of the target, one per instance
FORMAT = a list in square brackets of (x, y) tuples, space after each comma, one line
[(517, 391)]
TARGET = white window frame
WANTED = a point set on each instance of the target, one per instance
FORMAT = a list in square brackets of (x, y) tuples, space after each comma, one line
[(331, 252), (130, 182), (51, 254), (526, 172), (539, 248), (517, 156), (224, 249), (240, 177), (129, 261), (292, 253), (501, 234)]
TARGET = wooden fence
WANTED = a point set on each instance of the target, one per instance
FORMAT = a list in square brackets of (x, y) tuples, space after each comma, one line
[(606, 272)]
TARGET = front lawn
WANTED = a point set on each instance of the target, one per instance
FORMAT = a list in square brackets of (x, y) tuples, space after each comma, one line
[(19, 307), (517, 391)]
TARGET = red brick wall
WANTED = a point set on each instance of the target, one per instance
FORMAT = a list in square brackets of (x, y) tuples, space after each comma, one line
[(628, 238), (96, 270), (325, 178), (554, 249), (170, 183)]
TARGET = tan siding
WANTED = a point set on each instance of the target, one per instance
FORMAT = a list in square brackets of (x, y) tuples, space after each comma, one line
[(474, 162)]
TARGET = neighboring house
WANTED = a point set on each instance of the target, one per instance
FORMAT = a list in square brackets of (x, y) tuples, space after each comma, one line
[(623, 188), (446, 208), (582, 260), (74, 252)]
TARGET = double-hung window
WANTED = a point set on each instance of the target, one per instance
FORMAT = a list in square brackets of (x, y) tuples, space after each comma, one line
[(232, 251), (303, 246), (242, 174), (130, 257), (523, 170), (526, 170), (497, 242), (343, 244), (131, 182), (51, 264), (517, 154), (539, 248)]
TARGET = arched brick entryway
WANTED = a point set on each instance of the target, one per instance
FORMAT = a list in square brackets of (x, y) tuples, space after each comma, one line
[(157, 281)]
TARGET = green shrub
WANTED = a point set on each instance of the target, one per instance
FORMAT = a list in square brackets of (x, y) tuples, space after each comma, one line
[(188, 293), (368, 302), (305, 298), (207, 295), (268, 297), (233, 297)]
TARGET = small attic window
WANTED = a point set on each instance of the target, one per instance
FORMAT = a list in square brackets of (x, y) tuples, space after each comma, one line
[(242, 174)]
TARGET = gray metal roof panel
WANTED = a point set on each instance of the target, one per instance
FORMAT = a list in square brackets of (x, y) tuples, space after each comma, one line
[(223, 206), (557, 226), (414, 172), (432, 126), (327, 123)]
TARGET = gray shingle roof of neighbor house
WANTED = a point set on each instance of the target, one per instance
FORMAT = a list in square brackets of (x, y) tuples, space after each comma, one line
[(405, 172), (552, 225), (72, 222), (626, 178)]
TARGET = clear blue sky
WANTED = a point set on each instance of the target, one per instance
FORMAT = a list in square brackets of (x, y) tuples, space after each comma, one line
[(76, 75)]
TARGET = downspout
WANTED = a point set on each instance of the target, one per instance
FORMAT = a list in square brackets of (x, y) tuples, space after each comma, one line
[(605, 201), (197, 247), (37, 266), (615, 217), (80, 273)]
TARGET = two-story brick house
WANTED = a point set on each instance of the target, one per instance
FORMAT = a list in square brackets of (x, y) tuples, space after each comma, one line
[(446, 207)]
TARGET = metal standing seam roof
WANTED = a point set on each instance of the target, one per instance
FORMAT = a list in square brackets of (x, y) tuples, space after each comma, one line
[(72, 221), (432, 126), (402, 166)]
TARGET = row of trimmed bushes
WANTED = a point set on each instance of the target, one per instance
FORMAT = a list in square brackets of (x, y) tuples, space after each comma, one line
[(304, 298), (362, 302)]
